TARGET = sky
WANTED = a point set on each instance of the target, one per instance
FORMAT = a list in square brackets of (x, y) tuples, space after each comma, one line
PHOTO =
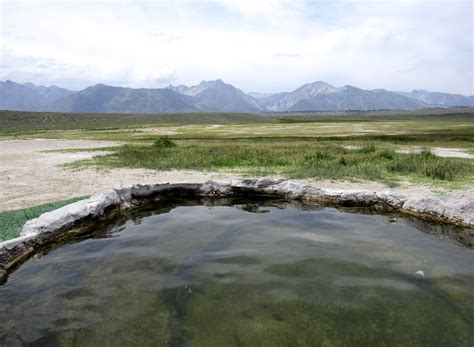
[(256, 45)]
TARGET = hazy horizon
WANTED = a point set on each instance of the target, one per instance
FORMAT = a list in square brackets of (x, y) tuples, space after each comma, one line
[(265, 46), (176, 85)]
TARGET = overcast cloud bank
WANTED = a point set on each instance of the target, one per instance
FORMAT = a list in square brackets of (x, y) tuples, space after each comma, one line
[(265, 45)]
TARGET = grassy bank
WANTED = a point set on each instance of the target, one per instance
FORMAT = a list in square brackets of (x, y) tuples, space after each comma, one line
[(294, 159), (11, 222), (306, 145)]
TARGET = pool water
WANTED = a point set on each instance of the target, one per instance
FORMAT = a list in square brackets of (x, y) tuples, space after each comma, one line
[(225, 273)]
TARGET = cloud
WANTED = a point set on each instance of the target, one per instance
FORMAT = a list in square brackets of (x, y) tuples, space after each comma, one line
[(287, 55), (43, 70), (267, 45)]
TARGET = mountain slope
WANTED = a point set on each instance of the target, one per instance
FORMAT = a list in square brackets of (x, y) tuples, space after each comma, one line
[(441, 99), (107, 99), (28, 97), (218, 96), (285, 101), (321, 96)]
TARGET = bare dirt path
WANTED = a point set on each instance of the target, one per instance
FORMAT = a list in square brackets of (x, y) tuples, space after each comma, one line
[(29, 177)]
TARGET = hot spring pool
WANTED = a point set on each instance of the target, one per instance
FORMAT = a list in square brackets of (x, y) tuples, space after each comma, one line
[(229, 273)]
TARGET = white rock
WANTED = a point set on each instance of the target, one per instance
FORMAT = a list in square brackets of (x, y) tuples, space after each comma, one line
[(214, 188), (451, 209), (420, 273), (392, 198), (291, 188), (69, 214)]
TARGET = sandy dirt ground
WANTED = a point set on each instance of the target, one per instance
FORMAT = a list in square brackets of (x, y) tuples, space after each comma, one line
[(30, 177), (438, 151), (441, 152)]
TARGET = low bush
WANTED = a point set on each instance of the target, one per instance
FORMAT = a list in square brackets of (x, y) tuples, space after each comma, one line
[(386, 153), (163, 142), (367, 149)]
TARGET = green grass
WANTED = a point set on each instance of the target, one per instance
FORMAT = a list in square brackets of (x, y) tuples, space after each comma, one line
[(163, 142), (12, 122), (303, 145), (420, 133), (293, 159), (423, 125), (305, 149), (11, 222)]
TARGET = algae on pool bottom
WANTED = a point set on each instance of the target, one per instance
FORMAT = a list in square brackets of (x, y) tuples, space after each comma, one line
[(249, 273)]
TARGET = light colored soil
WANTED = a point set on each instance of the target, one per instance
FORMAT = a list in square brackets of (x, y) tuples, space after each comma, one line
[(29, 177), (438, 151), (441, 152)]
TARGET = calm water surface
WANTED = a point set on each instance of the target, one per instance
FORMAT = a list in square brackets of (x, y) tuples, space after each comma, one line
[(265, 273)]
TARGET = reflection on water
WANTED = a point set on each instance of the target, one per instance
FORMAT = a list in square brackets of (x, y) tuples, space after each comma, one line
[(231, 273)]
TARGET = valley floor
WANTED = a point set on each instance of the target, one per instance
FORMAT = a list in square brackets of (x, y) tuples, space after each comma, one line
[(32, 173)]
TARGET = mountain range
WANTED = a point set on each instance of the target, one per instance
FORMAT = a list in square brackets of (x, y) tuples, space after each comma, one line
[(217, 96), (29, 97)]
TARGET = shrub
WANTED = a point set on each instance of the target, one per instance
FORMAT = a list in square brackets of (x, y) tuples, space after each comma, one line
[(387, 154), (368, 149), (442, 170), (427, 154), (342, 161), (163, 142), (319, 155)]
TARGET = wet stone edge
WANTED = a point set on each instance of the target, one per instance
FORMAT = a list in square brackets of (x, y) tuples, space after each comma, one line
[(77, 218)]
